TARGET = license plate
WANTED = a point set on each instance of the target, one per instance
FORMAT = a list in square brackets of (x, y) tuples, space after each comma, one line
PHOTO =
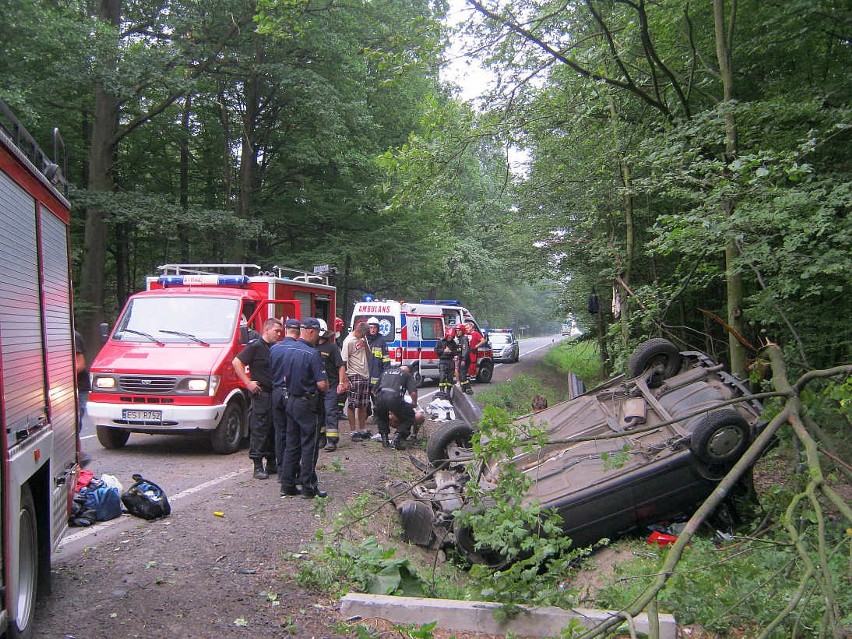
[(142, 415)]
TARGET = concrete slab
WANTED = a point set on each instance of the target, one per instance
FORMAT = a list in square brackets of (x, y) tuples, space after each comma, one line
[(477, 616)]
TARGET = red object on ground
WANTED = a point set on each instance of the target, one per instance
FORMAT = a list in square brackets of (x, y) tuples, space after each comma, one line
[(83, 479), (661, 539)]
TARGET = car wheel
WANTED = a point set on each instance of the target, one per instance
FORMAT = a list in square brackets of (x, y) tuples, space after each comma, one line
[(655, 353), (450, 444), (112, 438), (21, 625), (484, 372), (485, 556), (466, 540), (720, 438), (416, 522), (228, 434)]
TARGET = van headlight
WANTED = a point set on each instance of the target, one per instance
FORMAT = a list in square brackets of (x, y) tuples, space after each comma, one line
[(207, 385), (197, 385), (103, 382)]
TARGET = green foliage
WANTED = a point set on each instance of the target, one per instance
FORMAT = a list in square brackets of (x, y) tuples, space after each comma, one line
[(425, 631), (514, 396), (614, 461), (364, 567), (579, 357), (741, 585)]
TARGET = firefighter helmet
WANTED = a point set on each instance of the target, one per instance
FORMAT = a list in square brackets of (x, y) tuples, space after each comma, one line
[(373, 321), (338, 324), (323, 330), (460, 328), (449, 333)]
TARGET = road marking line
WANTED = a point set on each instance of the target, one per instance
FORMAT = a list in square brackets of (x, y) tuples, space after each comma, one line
[(207, 484)]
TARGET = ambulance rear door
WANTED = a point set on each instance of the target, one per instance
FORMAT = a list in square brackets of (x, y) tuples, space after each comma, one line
[(423, 333)]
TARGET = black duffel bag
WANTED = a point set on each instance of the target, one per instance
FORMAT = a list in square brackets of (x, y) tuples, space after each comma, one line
[(146, 499)]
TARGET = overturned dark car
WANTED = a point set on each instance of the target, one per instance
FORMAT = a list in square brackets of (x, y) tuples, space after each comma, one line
[(675, 427)]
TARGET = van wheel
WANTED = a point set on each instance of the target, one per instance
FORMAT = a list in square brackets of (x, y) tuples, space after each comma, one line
[(655, 353), (21, 626), (229, 433), (484, 372), (720, 438), (112, 438), (451, 443), (417, 375)]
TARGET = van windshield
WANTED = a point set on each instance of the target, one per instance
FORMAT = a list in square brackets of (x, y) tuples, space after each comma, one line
[(178, 320)]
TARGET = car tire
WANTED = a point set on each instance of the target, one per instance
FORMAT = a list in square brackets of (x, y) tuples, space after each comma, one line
[(415, 373), (450, 444), (466, 541), (21, 625), (655, 352), (228, 434), (112, 438), (483, 556), (484, 372), (720, 438)]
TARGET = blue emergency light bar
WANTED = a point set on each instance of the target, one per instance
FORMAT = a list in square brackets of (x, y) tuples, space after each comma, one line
[(442, 302), (203, 280)]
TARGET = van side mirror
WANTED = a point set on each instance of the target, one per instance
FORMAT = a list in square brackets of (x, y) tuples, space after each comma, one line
[(104, 332)]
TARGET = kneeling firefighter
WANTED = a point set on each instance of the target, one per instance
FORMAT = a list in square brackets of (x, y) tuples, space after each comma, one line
[(390, 398)]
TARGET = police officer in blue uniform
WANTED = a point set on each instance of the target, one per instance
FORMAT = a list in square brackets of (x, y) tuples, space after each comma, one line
[(306, 383), (279, 388)]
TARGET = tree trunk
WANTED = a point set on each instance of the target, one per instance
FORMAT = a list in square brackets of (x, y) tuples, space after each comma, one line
[(101, 158), (183, 239), (629, 236), (724, 44), (248, 156)]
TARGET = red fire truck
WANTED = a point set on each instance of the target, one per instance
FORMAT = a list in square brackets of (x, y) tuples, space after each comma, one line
[(166, 368), (37, 377)]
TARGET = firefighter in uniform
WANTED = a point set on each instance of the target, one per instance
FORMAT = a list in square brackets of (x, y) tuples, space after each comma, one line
[(476, 339), (463, 360), (390, 398), (379, 349), (447, 349), (338, 339), (338, 386), (258, 381)]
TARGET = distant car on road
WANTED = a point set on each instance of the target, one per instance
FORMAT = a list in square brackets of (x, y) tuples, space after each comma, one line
[(504, 344)]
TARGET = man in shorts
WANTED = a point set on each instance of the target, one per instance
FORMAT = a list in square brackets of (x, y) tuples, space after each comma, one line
[(356, 353)]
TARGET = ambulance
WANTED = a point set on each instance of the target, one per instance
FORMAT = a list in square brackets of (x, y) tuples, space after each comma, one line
[(413, 329), (38, 413), (167, 366)]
